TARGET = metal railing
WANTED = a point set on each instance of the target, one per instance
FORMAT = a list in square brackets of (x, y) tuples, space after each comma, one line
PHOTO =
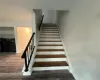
[(41, 22), (28, 52)]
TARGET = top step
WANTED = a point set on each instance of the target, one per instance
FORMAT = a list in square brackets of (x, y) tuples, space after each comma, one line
[(49, 24)]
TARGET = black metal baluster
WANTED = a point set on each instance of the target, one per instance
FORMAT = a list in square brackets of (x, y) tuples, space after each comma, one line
[(26, 65)]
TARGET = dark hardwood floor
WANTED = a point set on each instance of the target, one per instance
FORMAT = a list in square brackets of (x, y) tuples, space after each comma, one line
[(11, 63), (43, 75)]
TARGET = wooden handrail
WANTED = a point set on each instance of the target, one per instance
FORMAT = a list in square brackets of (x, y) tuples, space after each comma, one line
[(29, 49), (41, 22), (23, 55)]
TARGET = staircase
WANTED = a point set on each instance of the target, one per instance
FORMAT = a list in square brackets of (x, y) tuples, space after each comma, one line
[(50, 54)]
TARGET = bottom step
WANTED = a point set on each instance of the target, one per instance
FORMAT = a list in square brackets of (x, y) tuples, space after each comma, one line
[(50, 68), (41, 66)]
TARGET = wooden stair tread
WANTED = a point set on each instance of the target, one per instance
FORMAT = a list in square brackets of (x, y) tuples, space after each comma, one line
[(48, 64), (40, 50), (51, 56)]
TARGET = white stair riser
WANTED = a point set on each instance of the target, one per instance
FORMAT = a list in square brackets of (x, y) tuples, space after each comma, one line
[(50, 47), (50, 53), (49, 59), (51, 68)]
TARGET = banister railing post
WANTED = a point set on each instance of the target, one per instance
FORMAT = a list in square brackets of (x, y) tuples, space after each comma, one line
[(26, 65), (41, 22)]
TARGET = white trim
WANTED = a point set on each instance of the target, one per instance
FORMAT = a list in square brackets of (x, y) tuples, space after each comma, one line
[(16, 39), (49, 59), (26, 73), (50, 53), (51, 68)]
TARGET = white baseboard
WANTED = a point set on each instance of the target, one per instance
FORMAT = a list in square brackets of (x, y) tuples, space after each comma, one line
[(26, 73)]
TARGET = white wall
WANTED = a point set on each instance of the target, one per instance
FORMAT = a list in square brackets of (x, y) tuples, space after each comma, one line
[(81, 35), (49, 16), (38, 15), (19, 12), (13, 14)]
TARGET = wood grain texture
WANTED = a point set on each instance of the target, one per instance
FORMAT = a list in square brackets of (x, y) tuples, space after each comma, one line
[(11, 63), (49, 64)]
